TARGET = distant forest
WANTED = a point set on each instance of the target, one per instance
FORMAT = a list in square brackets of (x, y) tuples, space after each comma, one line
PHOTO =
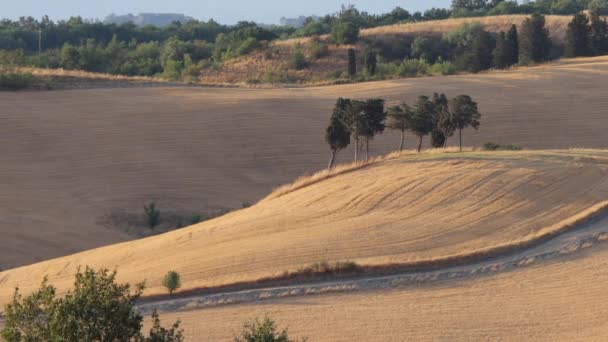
[(182, 49)]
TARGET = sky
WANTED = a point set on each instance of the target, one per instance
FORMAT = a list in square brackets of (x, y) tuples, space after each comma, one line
[(223, 11)]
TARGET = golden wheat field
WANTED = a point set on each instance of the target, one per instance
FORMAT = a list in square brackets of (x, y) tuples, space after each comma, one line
[(397, 210), (82, 163), (561, 301)]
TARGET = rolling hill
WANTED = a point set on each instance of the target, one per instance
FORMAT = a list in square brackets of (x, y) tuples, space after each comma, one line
[(405, 210), (82, 163), (271, 64)]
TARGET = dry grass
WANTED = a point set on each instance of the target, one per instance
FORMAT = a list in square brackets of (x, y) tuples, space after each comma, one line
[(413, 210), (258, 65), (556, 24), (78, 156), (561, 301)]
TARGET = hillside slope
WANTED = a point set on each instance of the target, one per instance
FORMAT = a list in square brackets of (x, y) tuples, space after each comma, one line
[(559, 301), (271, 65), (398, 210), (79, 165)]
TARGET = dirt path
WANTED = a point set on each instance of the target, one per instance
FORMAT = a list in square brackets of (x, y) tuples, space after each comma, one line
[(567, 245)]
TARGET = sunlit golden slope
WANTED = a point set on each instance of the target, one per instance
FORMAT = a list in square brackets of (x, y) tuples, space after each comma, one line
[(396, 210), (72, 158)]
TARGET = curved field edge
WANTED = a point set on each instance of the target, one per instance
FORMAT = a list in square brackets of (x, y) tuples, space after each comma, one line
[(362, 271), (132, 258)]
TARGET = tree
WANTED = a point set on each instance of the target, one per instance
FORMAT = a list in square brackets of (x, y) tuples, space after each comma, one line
[(598, 6), (506, 52), (599, 34), (465, 114), (472, 46), (512, 46), (398, 118), (159, 334), (337, 136), (96, 309), (371, 62), (442, 120), (262, 331), (374, 116), (534, 41), (421, 121), (352, 62), (152, 215), (578, 36), (345, 32), (172, 281)]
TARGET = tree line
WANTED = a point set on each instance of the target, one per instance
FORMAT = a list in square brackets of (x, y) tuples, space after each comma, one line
[(359, 121)]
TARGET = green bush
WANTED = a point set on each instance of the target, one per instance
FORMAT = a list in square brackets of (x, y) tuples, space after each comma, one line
[(15, 81), (96, 309), (172, 281), (345, 32), (247, 46), (318, 49), (442, 68), (490, 146), (413, 68), (263, 331), (152, 215), (298, 60)]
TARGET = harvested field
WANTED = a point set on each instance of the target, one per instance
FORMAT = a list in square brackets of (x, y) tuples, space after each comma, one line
[(399, 210), (75, 158), (561, 301)]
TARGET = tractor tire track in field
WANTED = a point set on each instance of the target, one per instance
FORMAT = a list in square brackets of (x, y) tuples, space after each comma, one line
[(586, 236)]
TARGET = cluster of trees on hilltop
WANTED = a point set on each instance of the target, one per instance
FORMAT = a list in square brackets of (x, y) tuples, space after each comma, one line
[(587, 35), (472, 8), (436, 116)]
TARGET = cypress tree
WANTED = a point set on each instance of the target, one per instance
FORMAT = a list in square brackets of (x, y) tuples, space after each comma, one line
[(499, 52), (534, 41), (512, 46), (371, 62), (338, 138), (352, 62), (578, 42), (599, 34)]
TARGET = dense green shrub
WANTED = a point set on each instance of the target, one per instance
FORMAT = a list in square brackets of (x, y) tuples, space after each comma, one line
[(262, 331), (172, 281), (490, 146), (96, 309), (152, 215), (298, 60), (345, 32), (318, 49), (15, 80)]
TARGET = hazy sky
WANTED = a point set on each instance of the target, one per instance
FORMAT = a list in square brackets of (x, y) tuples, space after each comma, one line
[(224, 11)]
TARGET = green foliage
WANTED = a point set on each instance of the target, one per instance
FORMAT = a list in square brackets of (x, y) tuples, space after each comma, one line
[(413, 68), (345, 32), (578, 36), (298, 60), (534, 41), (442, 68), (172, 281), (352, 62), (506, 52), (599, 7), (318, 49), (472, 47), (422, 119), (159, 334), (96, 309), (464, 113), (152, 215), (337, 135), (599, 34), (262, 331), (10, 80), (371, 62), (490, 146)]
